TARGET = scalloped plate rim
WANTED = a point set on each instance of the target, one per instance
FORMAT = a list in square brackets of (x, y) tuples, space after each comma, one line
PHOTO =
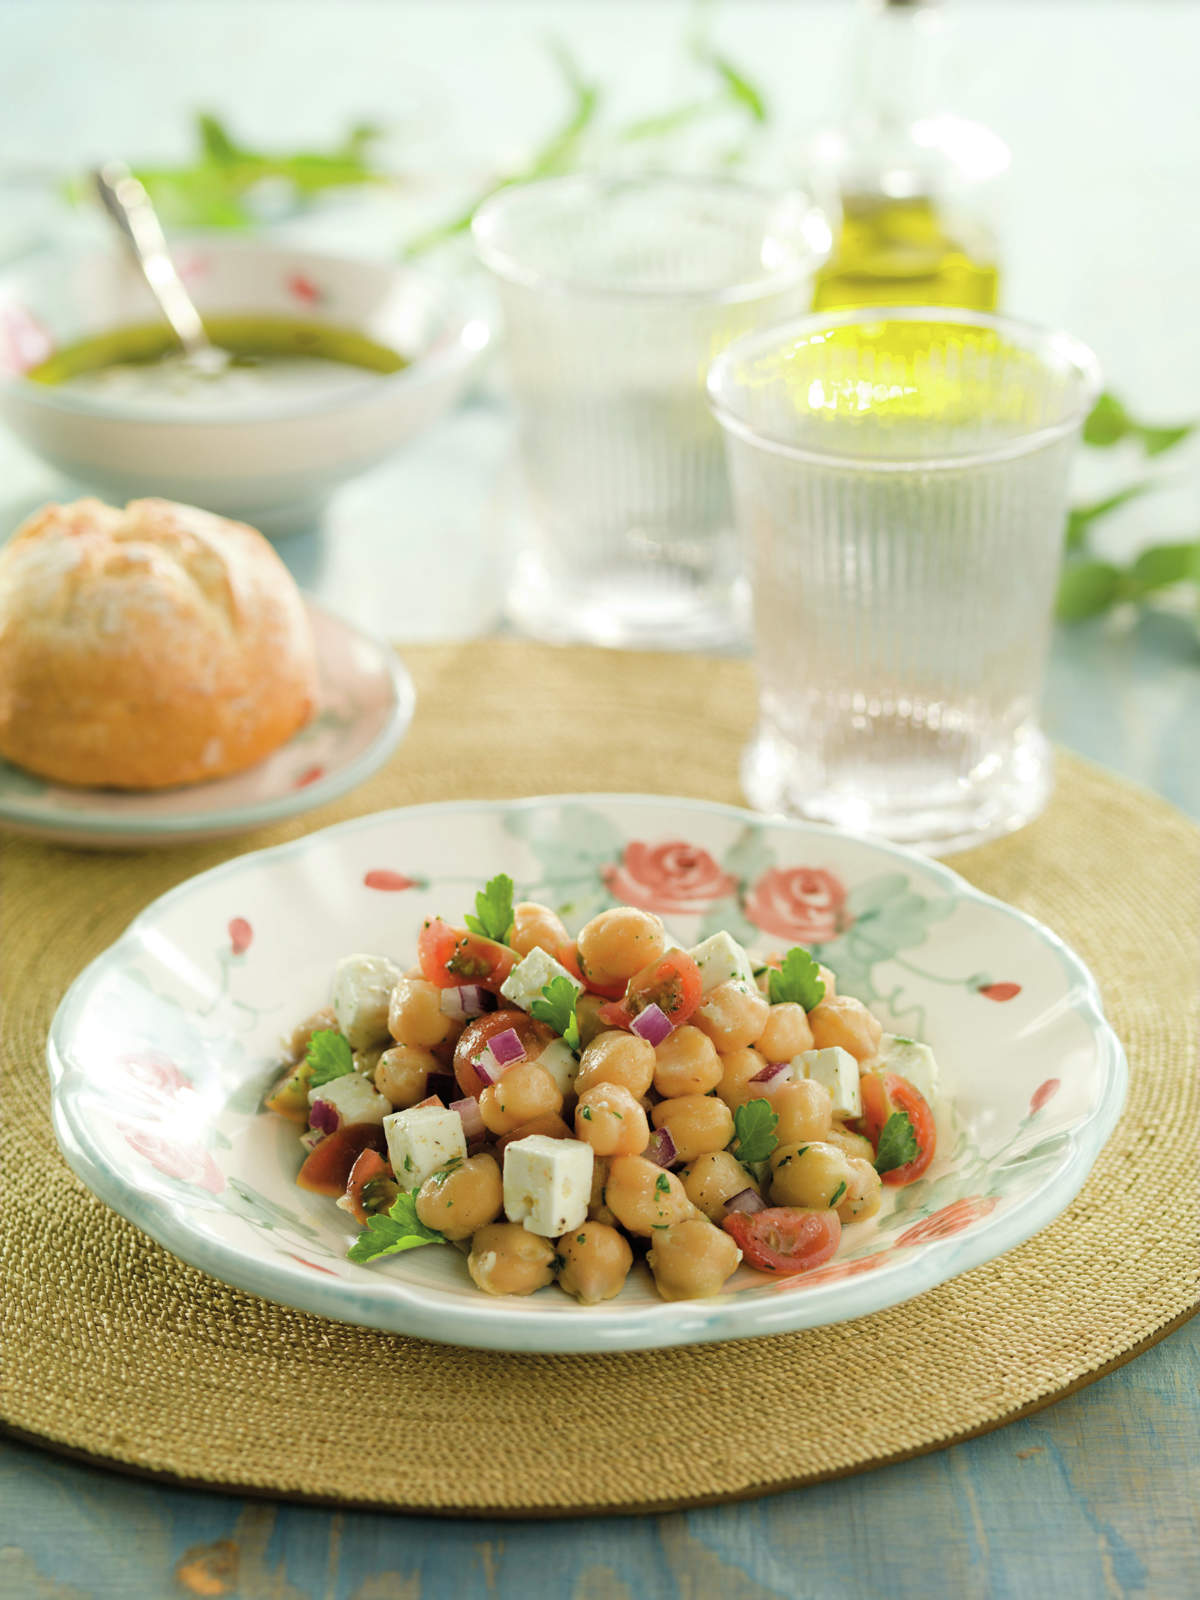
[(391, 1305)]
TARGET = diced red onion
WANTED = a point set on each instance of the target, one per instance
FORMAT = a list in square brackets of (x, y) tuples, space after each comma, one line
[(506, 1048), (311, 1139), (661, 1149), (483, 1066), (467, 1001), (747, 1200), (652, 1024), (769, 1072), (323, 1115), (472, 1118)]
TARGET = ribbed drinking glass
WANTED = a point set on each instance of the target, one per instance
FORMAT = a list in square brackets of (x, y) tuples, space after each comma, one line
[(900, 480), (617, 293)]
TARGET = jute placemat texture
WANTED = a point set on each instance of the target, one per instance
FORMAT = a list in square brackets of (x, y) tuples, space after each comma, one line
[(114, 1349)]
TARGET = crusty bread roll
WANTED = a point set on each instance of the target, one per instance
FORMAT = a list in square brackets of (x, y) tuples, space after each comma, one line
[(142, 648)]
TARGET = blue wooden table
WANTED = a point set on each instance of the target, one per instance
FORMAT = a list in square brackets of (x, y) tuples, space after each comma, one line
[(1099, 1495)]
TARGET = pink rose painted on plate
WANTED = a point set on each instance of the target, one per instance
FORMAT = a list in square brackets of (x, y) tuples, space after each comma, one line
[(241, 935), (1000, 991), (949, 1220), (190, 1163), (672, 877), (156, 1076), (805, 905)]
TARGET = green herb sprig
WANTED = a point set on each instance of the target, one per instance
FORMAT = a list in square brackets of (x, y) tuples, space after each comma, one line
[(493, 909), (556, 1008), (798, 979), (399, 1228), (897, 1143), (328, 1057)]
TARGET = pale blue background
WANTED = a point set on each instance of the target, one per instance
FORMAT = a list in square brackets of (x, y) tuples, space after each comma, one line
[(1097, 1496)]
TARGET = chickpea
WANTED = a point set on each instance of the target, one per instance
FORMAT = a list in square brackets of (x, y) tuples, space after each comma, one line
[(643, 1196), (713, 1179), (611, 1121), (551, 1124), (738, 1068), (598, 1210), (864, 1190), (506, 1258), (618, 943), (415, 1015), (856, 1146), (596, 1261), (808, 1175), (845, 1021), (520, 1094), (787, 1032), (402, 1074), (462, 1197), (536, 927), (617, 1057), (805, 1110), (297, 1042), (697, 1124), (686, 1062), (733, 1016), (587, 1015), (692, 1259)]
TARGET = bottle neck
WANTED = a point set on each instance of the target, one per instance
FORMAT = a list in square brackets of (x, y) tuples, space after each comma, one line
[(897, 63)]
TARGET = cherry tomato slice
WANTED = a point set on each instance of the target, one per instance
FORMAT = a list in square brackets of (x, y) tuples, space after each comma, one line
[(884, 1093), (451, 956), (535, 1036), (568, 956), (371, 1185), (784, 1239), (673, 983), (326, 1168)]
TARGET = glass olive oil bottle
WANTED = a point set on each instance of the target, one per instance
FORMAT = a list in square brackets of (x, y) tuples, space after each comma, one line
[(914, 184)]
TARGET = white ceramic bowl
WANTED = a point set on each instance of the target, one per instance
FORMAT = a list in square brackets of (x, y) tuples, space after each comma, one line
[(163, 1047), (275, 467)]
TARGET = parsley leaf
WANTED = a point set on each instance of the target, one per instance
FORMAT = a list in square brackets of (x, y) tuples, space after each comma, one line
[(754, 1127), (798, 980), (329, 1056), (557, 1008), (493, 909), (399, 1229), (897, 1143)]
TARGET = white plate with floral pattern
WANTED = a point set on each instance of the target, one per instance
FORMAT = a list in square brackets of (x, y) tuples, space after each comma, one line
[(162, 1049), (364, 706)]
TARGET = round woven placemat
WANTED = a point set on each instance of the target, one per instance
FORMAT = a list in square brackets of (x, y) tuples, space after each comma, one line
[(115, 1350)]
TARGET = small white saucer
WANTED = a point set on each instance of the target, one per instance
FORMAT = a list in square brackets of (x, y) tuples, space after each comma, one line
[(365, 704)]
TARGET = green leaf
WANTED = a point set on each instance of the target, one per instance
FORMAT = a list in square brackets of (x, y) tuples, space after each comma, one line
[(798, 980), (754, 1125), (1086, 589), (398, 1229), (737, 86), (897, 1143), (1157, 440), (556, 1008), (493, 909), (1161, 565), (1081, 518), (1107, 423), (329, 1056)]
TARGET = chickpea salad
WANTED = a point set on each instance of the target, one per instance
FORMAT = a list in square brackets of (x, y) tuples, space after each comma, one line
[(559, 1108)]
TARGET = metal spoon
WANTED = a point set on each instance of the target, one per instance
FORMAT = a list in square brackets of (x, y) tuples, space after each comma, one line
[(126, 201)]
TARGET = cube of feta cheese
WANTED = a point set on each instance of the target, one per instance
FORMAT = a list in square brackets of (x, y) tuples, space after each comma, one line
[(838, 1071), (354, 1098), (911, 1060), (362, 991), (421, 1140), (547, 1183), (721, 959), (530, 976), (560, 1061)]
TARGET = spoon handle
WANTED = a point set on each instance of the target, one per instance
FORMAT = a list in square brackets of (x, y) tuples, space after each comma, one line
[(126, 201)]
